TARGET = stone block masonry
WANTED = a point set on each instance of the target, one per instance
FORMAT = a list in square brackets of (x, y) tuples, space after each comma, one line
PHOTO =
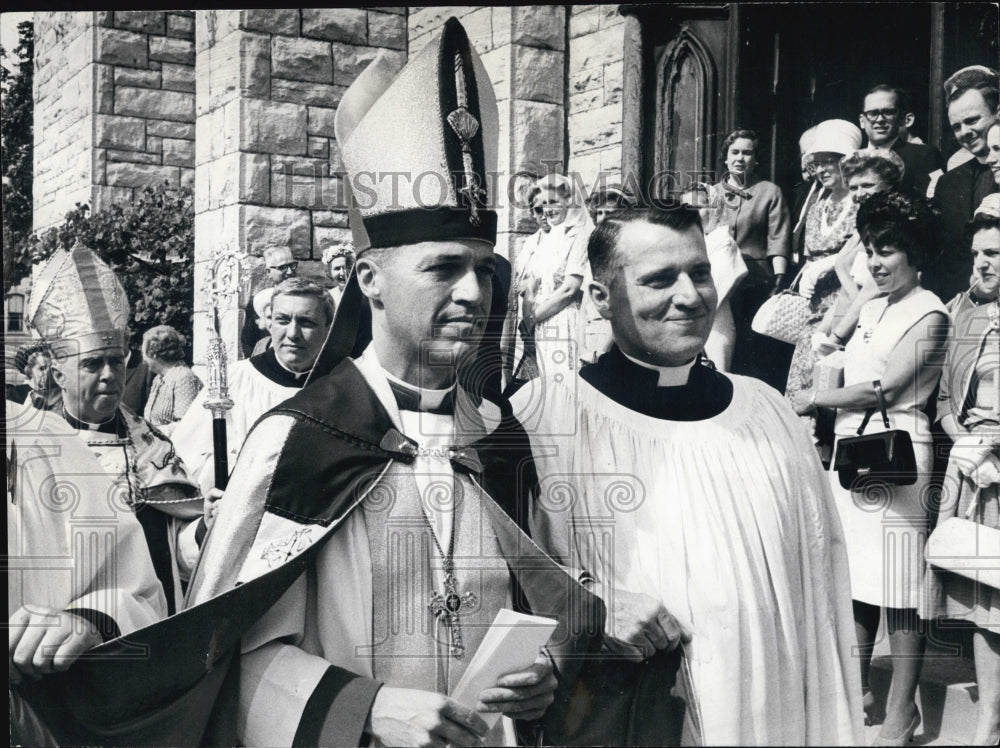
[(64, 164), (594, 115), (240, 104), (110, 88), (267, 166)]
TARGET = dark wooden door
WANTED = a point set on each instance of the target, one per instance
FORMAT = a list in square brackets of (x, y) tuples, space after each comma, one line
[(694, 72), (686, 92)]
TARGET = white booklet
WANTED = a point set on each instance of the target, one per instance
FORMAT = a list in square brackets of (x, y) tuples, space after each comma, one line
[(511, 645)]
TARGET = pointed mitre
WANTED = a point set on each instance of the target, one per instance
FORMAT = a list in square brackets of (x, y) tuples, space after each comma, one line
[(77, 303), (418, 145)]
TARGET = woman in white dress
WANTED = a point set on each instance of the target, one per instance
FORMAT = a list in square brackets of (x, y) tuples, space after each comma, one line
[(899, 345), (549, 278)]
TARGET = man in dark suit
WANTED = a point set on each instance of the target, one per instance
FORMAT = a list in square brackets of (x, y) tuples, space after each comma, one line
[(972, 96), (885, 110)]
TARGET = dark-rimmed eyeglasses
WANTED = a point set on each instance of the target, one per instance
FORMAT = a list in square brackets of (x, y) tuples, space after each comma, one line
[(538, 209), (287, 267), (873, 114)]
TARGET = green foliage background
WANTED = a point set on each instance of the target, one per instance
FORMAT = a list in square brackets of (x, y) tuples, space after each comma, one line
[(149, 244), (16, 136)]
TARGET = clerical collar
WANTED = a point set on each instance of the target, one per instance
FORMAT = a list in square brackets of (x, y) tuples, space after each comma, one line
[(411, 397), (669, 376), (267, 363), (109, 426)]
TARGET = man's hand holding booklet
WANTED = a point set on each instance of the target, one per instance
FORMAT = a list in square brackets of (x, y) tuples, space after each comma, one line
[(510, 646)]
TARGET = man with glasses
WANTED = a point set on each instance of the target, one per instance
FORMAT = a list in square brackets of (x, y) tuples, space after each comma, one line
[(886, 110), (972, 96), (280, 265)]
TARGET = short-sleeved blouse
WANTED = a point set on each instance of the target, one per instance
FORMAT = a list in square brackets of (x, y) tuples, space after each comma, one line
[(171, 395)]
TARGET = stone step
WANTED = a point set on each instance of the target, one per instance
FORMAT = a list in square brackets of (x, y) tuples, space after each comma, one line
[(947, 695)]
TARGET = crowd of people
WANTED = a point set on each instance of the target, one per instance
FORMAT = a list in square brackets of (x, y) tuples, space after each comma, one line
[(600, 435)]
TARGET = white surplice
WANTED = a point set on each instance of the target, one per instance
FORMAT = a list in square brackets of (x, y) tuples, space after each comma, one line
[(253, 394), (730, 523), (71, 543)]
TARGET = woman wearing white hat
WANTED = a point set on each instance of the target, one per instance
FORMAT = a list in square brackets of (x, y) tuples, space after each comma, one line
[(829, 223)]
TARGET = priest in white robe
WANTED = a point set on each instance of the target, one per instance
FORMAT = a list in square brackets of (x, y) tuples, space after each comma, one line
[(696, 501), (79, 308), (301, 315), (78, 569)]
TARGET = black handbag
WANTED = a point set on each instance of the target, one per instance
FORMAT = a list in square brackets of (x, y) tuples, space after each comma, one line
[(876, 458)]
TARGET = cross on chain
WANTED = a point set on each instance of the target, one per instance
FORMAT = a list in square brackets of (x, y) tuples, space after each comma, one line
[(449, 606)]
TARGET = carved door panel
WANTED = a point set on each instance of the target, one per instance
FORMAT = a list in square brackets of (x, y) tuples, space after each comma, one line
[(686, 92), (686, 73)]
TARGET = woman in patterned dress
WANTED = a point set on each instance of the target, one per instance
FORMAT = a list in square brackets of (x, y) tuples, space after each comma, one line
[(829, 223), (175, 385)]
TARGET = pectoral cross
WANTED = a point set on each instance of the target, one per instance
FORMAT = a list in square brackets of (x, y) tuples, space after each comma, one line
[(448, 606)]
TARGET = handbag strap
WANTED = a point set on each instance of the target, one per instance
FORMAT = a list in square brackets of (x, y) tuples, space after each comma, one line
[(795, 280), (877, 384)]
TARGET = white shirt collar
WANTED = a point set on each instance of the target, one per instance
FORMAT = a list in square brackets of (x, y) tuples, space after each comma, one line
[(429, 399), (670, 376), (296, 374), (90, 426), (884, 146)]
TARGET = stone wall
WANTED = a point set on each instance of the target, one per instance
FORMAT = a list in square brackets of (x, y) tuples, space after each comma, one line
[(117, 109), (114, 107), (144, 103), (523, 49), (64, 114), (268, 171), (594, 117)]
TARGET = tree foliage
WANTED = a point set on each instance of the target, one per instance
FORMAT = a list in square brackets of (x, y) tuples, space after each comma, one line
[(149, 243), (16, 137)]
